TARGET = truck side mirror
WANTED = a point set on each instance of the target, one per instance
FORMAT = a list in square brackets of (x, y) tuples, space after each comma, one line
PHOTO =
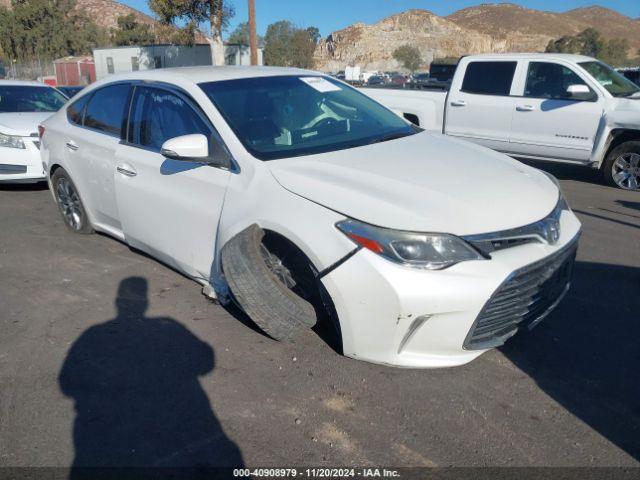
[(579, 92)]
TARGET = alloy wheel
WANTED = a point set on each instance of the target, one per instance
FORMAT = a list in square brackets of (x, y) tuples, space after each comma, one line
[(69, 203), (626, 171)]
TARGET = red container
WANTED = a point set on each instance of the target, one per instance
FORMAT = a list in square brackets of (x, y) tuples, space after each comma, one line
[(75, 70)]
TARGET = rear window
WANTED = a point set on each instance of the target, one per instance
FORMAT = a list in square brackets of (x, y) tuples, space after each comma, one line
[(489, 78), (106, 109)]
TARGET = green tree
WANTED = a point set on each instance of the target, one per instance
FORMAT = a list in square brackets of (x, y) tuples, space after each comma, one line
[(241, 35), (408, 56), (289, 46), (192, 14), (132, 32), (44, 29), (589, 42)]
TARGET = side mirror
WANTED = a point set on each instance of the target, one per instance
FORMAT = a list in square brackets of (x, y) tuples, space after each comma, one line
[(579, 92), (188, 148)]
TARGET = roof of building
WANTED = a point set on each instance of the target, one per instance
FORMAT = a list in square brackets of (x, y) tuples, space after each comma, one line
[(71, 59)]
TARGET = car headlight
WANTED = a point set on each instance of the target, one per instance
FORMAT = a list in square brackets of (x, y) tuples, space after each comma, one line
[(11, 141), (562, 202), (431, 251)]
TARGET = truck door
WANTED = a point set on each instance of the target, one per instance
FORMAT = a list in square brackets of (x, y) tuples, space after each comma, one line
[(548, 120), (480, 106)]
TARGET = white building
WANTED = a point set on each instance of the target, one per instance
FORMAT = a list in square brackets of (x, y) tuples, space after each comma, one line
[(147, 57)]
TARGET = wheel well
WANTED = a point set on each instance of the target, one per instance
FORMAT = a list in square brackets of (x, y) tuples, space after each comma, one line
[(619, 136), (53, 169), (328, 326)]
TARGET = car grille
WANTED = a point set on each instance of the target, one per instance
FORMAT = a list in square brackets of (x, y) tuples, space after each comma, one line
[(525, 298), (8, 169)]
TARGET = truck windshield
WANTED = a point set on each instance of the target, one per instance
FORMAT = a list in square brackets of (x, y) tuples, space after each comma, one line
[(615, 83), (287, 116), (26, 98)]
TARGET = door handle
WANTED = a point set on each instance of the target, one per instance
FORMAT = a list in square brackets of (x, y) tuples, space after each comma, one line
[(126, 170), (458, 103), (525, 108), (71, 145)]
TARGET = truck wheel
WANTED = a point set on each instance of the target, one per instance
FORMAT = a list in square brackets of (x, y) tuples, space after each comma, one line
[(69, 203), (272, 281), (622, 166)]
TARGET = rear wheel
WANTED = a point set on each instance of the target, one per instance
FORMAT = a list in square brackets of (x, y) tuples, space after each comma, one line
[(622, 166), (69, 203), (272, 281)]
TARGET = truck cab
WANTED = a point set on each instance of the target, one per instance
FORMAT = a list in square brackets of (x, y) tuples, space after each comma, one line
[(558, 107)]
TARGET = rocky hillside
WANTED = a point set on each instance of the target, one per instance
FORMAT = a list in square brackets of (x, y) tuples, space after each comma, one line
[(484, 28)]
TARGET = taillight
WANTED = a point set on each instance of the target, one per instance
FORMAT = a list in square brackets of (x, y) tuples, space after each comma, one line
[(40, 131)]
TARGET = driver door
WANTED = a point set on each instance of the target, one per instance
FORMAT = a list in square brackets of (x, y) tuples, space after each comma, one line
[(169, 208)]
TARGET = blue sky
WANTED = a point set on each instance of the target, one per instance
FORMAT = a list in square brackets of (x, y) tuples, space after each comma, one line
[(330, 15)]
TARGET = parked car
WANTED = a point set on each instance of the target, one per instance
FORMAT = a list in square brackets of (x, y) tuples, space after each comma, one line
[(421, 79), (400, 80), (305, 201), (23, 106), (555, 107), (70, 91), (375, 80)]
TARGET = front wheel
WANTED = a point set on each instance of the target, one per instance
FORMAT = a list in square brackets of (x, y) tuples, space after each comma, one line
[(622, 166), (69, 203)]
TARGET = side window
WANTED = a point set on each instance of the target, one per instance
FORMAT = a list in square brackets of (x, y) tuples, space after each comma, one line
[(489, 78), (135, 64), (75, 111), (110, 68), (550, 80), (107, 109), (159, 115)]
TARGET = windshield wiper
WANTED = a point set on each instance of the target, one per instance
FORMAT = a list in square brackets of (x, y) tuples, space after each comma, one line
[(390, 136)]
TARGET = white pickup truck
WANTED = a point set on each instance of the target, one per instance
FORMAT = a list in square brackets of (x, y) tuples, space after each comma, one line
[(558, 107)]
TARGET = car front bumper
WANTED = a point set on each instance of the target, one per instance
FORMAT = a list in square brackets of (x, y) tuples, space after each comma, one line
[(22, 165), (407, 317)]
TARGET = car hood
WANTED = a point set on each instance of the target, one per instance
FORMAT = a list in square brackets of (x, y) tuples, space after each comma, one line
[(23, 123), (424, 182)]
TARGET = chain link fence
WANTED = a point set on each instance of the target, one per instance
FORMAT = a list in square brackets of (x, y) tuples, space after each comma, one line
[(28, 69)]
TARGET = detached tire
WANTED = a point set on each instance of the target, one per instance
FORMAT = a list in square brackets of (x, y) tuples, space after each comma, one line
[(272, 281), (69, 203), (621, 168)]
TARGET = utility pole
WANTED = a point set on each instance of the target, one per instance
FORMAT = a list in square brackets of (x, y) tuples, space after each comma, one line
[(253, 39)]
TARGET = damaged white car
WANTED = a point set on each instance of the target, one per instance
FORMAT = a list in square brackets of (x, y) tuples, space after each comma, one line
[(305, 201)]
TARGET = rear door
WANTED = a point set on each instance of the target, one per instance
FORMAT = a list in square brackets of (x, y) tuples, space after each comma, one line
[(169, 208), (480, 106), (91, 143), (549, 122)]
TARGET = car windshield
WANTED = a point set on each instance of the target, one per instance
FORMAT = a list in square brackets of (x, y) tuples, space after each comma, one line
[(26, 98), (615, 83), (287, 116)]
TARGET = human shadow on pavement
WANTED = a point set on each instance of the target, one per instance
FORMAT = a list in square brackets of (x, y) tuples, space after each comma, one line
[(585, 355), (138, 399)]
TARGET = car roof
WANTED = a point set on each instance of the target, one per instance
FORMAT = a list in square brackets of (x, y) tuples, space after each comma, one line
[(23, 83), (569, 57), (208, 73)]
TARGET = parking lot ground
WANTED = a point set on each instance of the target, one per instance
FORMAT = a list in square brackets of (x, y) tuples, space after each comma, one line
[(89, 380)]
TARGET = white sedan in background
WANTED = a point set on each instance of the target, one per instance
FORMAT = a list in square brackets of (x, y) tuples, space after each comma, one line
[(305, 201), (23, 106)]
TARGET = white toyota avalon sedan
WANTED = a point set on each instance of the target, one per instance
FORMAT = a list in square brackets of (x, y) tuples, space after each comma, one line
[(305, 201), (23, 106)]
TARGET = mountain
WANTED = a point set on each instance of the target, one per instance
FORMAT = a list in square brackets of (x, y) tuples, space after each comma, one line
[(500, 27), (105, 13), (373, 45)]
